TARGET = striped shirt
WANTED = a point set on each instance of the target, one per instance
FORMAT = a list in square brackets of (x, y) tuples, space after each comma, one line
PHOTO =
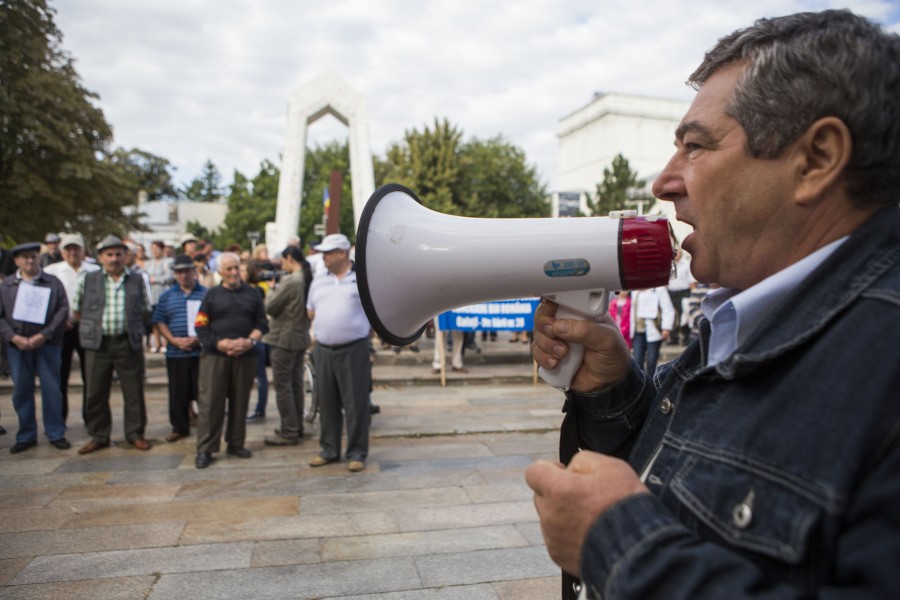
[(172, 310), (114, 308)]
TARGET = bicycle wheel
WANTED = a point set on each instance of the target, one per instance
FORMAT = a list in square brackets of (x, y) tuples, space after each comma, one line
[(311, 408)]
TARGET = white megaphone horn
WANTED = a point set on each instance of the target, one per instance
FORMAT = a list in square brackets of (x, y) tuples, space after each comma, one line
[(414, 263)]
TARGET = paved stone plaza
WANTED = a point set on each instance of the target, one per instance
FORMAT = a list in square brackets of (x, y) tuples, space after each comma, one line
[(441, 512)]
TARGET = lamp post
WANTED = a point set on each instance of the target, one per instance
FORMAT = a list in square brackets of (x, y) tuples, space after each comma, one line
[(253, 236), (638, 196)]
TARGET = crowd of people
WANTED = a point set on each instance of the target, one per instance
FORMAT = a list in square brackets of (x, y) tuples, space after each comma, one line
[(220, 318)]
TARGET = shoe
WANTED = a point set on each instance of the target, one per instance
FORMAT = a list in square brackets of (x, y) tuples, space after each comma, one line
[(435, 371), (239, 452), (255, 417), (396, 349), (460, 370), (92, 446), (2, 430), (140, 444), (61, 443), (21, 447), (414, 348), (175, 436), (356, 466), (374, 409), (203, 459), (320, 461), (280, 441)]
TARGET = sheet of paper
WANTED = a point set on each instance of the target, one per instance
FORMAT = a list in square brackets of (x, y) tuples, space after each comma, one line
[(32, 303), (193, 307)]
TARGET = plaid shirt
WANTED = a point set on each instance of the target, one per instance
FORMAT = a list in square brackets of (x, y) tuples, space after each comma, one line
[(114, 308)]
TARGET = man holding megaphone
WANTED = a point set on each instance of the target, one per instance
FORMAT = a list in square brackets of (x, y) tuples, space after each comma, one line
[(765, 461)]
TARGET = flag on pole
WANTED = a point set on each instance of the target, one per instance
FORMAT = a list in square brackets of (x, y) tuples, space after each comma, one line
[(326, 200)]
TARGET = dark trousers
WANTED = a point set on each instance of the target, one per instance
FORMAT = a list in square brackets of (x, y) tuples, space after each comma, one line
[(287, 377), (644, 350), (677, 298), (115, 353), (71, 345), (224, 378), (342, 381), (183, 375)]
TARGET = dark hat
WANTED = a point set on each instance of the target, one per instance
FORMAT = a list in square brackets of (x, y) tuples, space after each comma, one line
[(26, 247), (51, 238), (111, 241), (183, 262)]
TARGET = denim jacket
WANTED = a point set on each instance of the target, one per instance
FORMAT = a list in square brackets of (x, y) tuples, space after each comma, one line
[(776, 473)]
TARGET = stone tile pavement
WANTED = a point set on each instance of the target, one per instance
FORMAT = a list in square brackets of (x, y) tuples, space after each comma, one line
[(441, 512)]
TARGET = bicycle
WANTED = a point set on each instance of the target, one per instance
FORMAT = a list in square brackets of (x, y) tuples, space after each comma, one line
[(311, 406)]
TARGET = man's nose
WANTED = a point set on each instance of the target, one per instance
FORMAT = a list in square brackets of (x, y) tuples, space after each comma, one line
[(669, 185)]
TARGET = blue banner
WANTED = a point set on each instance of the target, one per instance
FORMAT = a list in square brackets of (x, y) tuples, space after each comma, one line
[(505, 315)]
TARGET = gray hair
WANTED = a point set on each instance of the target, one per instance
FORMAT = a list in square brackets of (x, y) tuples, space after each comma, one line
[(807, 66)]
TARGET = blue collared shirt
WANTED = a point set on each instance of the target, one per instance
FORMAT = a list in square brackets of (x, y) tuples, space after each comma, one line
[(733, 314), (172, 310)]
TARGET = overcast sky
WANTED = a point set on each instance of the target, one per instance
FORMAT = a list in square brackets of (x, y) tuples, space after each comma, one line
[(192, 80)]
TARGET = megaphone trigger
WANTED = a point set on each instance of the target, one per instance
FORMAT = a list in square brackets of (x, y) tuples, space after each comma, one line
[(579, 304)]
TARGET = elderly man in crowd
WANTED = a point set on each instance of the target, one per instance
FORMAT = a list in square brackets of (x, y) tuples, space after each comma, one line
[(112, 309), (174, 318), (33, 314), (69, 271), (52, 255), (342, 356), (230, 323), (764, 462)]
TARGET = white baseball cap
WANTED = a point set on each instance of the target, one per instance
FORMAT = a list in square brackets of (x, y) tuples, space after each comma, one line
[(335, 241)]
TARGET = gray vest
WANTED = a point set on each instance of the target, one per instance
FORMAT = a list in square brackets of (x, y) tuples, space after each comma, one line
[(90, 328)]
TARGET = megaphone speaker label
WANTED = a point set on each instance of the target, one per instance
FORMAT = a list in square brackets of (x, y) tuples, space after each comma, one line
[(567, 267)]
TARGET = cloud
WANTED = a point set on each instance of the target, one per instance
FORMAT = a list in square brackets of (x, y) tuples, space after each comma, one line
[(192, 80)]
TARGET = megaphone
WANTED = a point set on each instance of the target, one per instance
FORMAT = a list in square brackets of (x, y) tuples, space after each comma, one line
[(413, 263)]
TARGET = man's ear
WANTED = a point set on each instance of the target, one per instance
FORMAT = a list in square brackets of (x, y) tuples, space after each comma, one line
[(822, 154)]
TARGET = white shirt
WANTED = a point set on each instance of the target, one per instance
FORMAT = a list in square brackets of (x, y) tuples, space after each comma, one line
[(683, 278), (317, 265), (69, 276), (734, 314), (339, 315)]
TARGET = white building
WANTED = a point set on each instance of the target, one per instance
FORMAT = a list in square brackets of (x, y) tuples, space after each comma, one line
[(167, 221), (639, 128)]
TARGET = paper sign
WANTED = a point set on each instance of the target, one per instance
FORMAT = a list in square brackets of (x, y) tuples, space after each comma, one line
[(32, 303), (193, 307)]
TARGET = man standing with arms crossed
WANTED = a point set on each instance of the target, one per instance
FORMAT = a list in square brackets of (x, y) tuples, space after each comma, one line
[(764, 462), (342, 359), (33, 313), (174, 318), (69, 271), (288, 339), (231, 321), (112, 308)]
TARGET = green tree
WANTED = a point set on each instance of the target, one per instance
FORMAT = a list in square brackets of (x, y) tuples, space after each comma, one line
[(495, 181), (207, 187), (475, 178), (54, 142), (613, 192), (145, 171), (428, 163), (251, 204)]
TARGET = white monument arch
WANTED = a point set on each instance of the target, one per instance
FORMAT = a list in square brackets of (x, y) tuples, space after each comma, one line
[(327, 94)]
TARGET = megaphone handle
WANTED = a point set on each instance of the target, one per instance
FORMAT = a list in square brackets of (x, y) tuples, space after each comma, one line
[(574, 305)]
